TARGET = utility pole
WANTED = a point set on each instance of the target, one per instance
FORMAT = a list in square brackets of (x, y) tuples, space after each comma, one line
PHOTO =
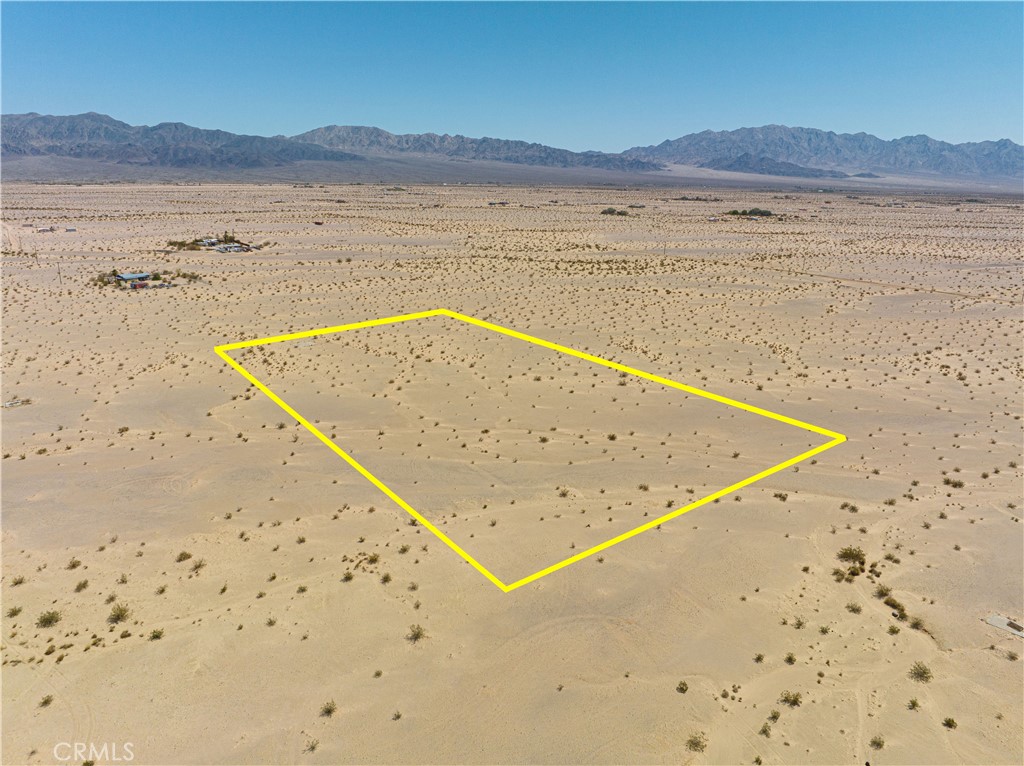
[(60, 281)]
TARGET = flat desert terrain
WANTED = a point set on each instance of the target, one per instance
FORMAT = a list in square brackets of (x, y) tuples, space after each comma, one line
[(191, 576)]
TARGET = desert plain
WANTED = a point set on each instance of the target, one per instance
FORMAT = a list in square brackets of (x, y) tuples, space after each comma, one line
[(191, 576)]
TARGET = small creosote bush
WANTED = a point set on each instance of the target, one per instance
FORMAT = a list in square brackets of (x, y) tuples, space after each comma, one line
[(48, 619), (119, 613), (697, 742), (793, 699), (920, 672)]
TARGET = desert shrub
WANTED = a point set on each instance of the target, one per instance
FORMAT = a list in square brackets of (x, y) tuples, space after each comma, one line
[(697, 742), (119, 613), (682, 687), (920, 672), (877, 742), (183, 556), (48, 619), (416, 634), (949, 723), (328, 709), (851, 555), (793, 699)]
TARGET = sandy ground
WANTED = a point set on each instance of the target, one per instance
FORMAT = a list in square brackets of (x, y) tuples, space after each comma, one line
[(259, 577)]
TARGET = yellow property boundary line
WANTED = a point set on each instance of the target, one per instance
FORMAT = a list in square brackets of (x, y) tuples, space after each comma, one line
[(834, 438)]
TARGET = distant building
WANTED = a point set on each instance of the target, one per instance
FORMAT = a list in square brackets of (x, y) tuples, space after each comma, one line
[(132, 278)]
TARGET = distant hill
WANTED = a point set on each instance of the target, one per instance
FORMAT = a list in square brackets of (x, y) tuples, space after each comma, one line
[(170, 144), (748, 163), (844, 152), (377, 141)]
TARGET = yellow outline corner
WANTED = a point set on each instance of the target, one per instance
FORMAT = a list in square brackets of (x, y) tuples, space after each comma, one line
[(835, 438)]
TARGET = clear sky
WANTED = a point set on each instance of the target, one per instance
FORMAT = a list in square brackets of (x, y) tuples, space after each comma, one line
[(603, 76)]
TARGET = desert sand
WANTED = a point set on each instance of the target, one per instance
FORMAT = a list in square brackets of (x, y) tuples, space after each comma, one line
[(190, 576)]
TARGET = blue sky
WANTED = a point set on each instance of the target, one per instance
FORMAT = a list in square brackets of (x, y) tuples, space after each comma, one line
[(603, 76)]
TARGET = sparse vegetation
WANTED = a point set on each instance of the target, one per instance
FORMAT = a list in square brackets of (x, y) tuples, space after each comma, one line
[(48, 619), (119, 613), (697, 742), (920, 672), (792, 699)]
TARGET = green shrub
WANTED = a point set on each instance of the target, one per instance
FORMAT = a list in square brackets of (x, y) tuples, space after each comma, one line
[(697, 742), (793, 699), (920, 672), (48, 619), (119, 613)]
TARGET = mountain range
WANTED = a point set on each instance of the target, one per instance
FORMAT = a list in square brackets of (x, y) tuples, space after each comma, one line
[(851, 153), (106, 145)]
